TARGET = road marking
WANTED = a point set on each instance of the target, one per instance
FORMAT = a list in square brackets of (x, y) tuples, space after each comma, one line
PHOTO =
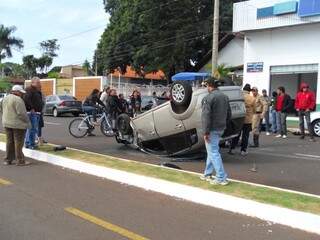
[(107, 225), (52, 123), (293, 156), (306, 155), (5, 182)]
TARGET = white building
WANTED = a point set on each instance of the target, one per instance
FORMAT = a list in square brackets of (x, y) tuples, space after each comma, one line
[(282, 43)]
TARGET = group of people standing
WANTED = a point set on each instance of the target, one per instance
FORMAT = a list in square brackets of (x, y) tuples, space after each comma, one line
[(281, 104), (216, 112), (274, 110), (112, 103), (22, 120)]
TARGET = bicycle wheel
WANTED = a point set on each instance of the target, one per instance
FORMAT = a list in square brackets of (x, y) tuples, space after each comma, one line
[(78, 128), (106, 128)]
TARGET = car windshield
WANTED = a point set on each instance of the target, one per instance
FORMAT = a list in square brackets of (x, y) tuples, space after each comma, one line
[(66, 98)]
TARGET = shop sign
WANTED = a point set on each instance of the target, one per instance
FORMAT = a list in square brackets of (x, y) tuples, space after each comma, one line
[(309, 8), (255, 67)]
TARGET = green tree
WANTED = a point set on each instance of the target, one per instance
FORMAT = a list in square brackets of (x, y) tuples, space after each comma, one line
[(30, 63), (44, 62), (50, 47), (49, 50), (7, 41), (5, 84), (169, 35), (222, 71), (14, 70), (87, 67)]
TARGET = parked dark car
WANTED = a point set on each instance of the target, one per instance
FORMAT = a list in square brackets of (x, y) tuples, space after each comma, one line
[(57, 105)]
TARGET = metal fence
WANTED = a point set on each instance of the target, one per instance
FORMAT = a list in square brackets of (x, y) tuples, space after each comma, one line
[(145, 90)]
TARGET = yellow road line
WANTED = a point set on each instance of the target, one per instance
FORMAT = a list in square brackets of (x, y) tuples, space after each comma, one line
[(109, 226), (5, 182)]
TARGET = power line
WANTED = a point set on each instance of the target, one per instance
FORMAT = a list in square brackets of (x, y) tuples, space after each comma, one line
[(152, 48)]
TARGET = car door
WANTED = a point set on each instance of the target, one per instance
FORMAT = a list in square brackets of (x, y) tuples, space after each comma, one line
[(172, 133), (165, 123)]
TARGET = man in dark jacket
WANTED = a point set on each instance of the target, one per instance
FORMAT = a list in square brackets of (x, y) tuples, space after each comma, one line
[(215, 113), (113, 104), (282, 106), (34, 104), (124, 105), (305, 103)]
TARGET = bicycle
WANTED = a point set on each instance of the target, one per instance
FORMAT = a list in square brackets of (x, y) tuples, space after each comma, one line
[(82, 126)]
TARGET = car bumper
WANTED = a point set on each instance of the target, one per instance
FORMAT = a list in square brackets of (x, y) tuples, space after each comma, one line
[(69, 110)]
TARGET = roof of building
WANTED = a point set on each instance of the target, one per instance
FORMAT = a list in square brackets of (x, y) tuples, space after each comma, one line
[(130, 73), (222, 44)]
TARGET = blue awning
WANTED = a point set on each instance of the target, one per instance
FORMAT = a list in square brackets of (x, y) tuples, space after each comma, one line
[(190, 76)]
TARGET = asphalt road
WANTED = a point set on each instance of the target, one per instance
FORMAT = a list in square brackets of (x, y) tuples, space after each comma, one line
[(287, 163), (34, 207)]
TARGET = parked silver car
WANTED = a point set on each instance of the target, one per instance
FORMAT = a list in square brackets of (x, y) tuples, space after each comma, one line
[(57, 105), (174, 128)]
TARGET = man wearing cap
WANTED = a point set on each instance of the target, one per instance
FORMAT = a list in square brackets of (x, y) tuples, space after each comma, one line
[(215, 114), (15, 121), (261, 107), (34, 104)]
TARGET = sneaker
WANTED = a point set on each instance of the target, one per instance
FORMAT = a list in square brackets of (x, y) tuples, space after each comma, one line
[(23, 163), (216, 182), (243, 153), (206, 178), (7, 163), (268, 134), (91, 135), (279, 136), (302, 137), (284, 136)]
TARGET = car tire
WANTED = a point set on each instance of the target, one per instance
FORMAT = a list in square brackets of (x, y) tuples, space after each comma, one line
[(316, 128), (181, 94), (123, 124), (55, 112)]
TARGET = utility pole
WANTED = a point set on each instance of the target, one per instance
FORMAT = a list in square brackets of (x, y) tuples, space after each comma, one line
[(215, 39), (96, 67)]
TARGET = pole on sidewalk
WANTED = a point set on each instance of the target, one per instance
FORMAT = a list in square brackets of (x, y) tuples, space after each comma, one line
[(215, 39), (96, 67)]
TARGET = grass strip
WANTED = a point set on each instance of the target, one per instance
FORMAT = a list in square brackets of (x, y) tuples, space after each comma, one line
[(257, 193)]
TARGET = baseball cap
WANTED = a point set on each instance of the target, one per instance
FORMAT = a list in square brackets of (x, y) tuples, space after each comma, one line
[(18, 88)]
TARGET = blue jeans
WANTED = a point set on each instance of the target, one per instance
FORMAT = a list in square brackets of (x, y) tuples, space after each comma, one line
[(214, 160), (282, 121), (275, 125), (90, 110), (267, 120), (33, 131)]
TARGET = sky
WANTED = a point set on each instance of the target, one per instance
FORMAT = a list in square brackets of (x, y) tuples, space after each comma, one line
[(39, 20)]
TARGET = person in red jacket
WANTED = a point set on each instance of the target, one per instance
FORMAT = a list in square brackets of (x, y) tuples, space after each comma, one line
[(305, 103)]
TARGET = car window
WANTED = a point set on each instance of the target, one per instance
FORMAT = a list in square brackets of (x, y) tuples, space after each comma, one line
[(66, 98), (49, 99)]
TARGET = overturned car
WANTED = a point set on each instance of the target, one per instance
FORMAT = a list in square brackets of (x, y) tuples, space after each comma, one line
[(174, 128)]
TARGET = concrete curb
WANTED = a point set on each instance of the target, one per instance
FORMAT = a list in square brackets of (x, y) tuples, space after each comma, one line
[(295, 219)]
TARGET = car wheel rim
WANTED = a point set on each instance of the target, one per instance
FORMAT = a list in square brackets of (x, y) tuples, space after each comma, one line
[(55, 113), (178, 93), (317, 129)]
